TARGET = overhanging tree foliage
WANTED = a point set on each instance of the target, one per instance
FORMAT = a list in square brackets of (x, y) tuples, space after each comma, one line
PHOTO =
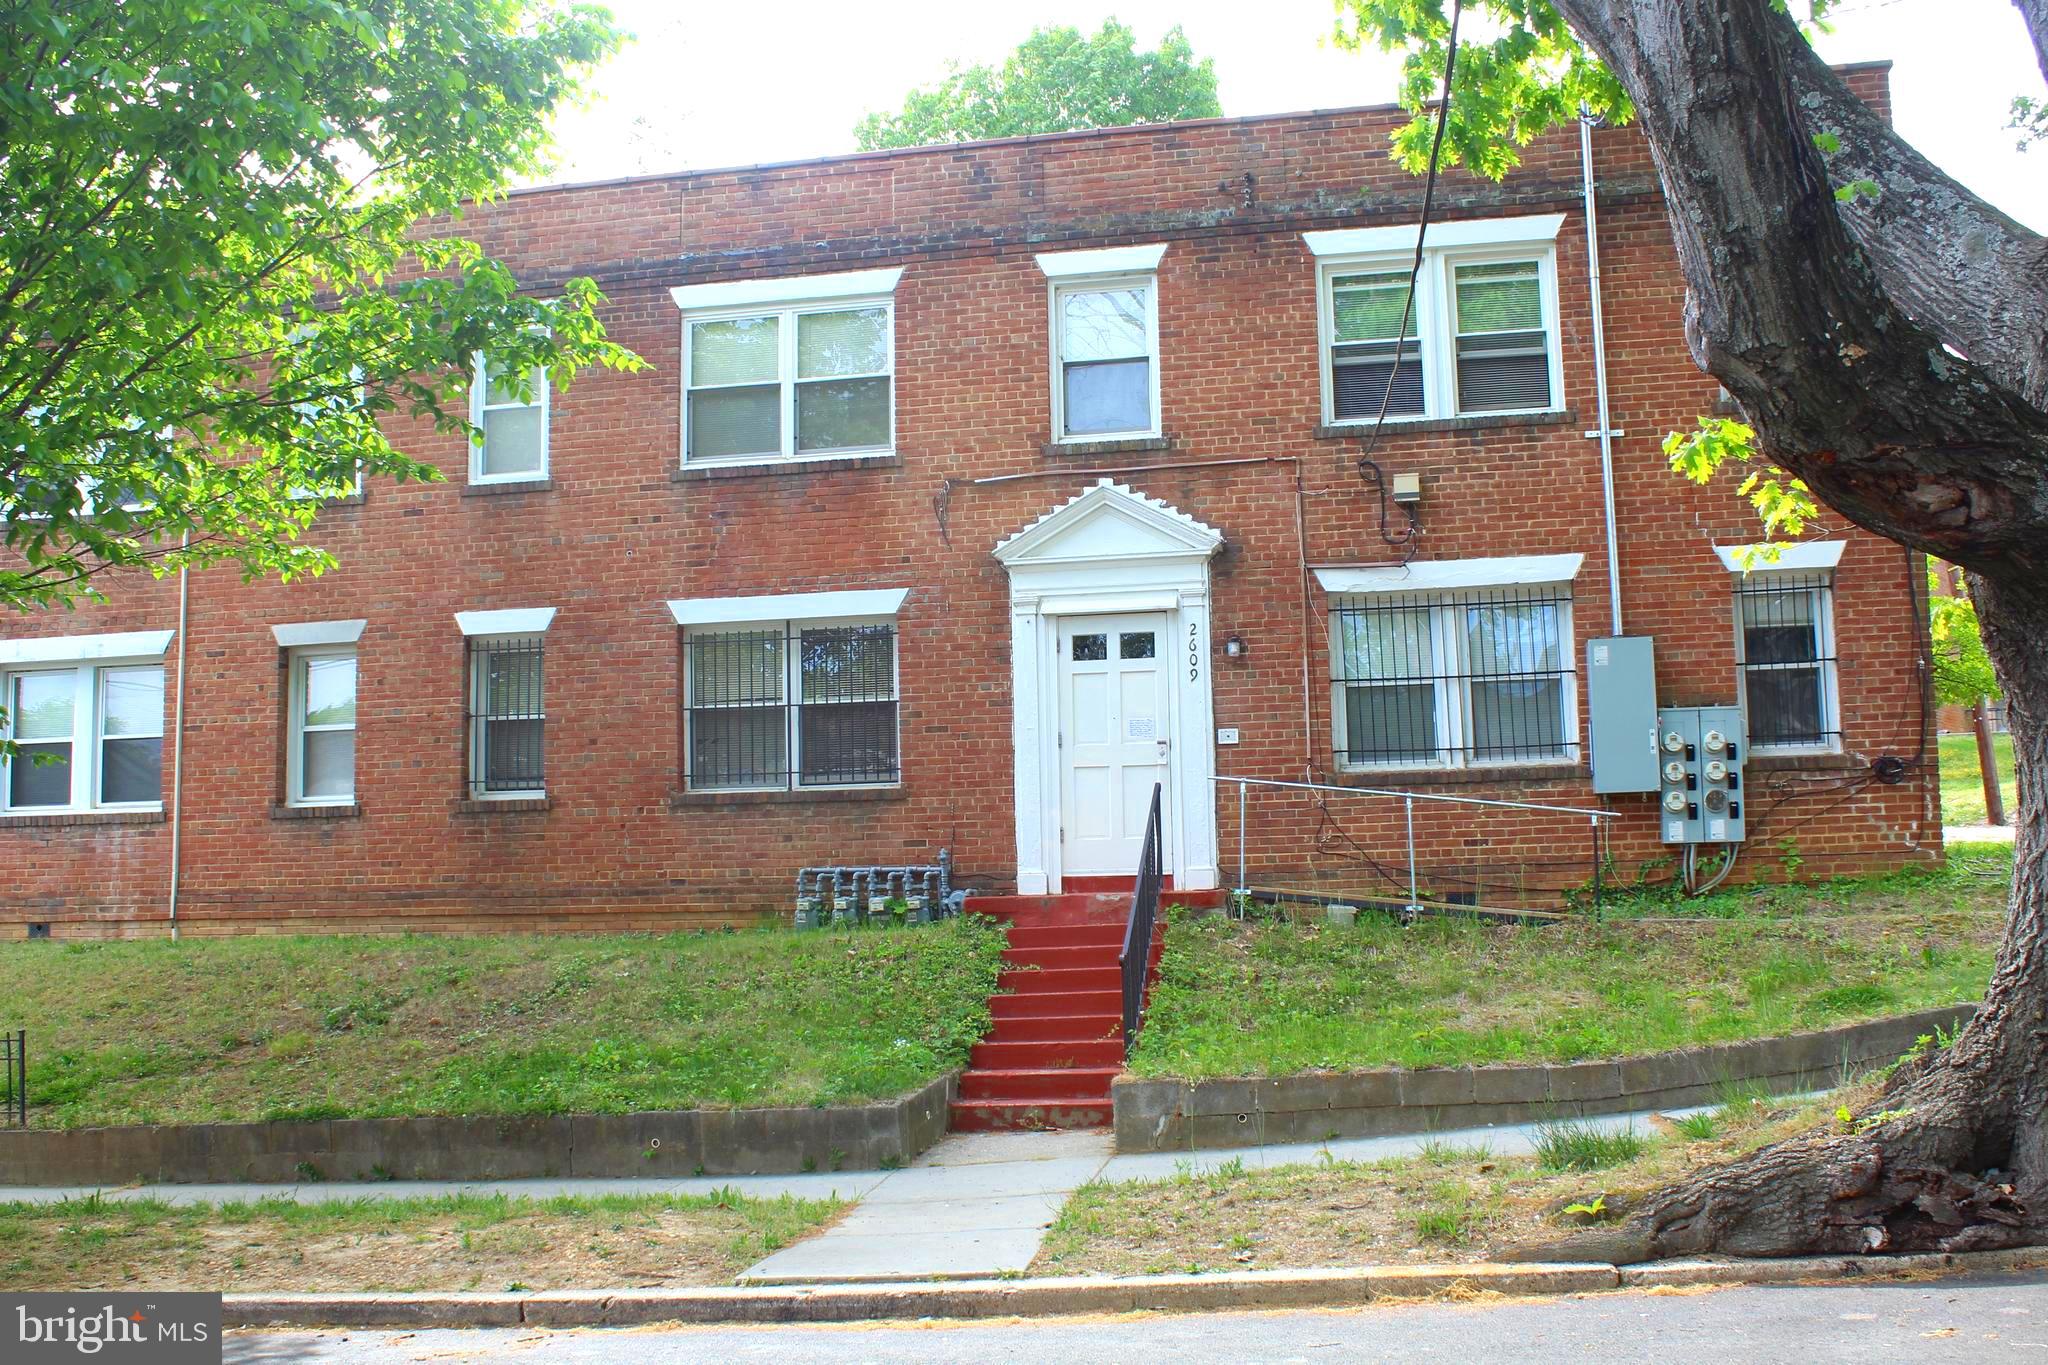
[(1058, 79), (1885, 332), (228, 251)]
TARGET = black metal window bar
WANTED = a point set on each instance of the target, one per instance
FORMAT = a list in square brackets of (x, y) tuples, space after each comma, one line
[(1136, 958), (507, 717), (1786, 631), (792, 705), (1450, 679), (14, 1088)]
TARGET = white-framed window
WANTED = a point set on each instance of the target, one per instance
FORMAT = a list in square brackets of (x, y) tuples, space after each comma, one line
[(1481, 334), (791, 704), (90, 736), (1105, 347), (803, 382), (1785, 660), (1454, 679), (511, 410), (320, 752), (507, 717)]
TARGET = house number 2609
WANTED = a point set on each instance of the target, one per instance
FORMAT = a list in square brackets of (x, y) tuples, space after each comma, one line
[(1194, 652)]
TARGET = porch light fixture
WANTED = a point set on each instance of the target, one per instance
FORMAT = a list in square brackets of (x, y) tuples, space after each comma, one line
[(1234, 647)]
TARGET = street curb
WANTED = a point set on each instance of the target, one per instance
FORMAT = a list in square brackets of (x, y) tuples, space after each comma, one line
[(1065, 1295)]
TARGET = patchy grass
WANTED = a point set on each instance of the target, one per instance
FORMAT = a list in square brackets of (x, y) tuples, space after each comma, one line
[(464, 1242), (1570, 1145), (1442, 1205), (256, 1028), (1962, 779), (1274, 997)]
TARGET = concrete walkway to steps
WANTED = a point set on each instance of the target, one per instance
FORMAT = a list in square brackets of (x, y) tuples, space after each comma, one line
[(975, 1206)]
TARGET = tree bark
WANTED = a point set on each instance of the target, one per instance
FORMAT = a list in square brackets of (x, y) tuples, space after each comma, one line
[(1839, 343)]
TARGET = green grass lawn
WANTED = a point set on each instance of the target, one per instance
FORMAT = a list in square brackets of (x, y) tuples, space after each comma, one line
[(463, 1242), (1272, 997), (1962, 780), (231, 1029)]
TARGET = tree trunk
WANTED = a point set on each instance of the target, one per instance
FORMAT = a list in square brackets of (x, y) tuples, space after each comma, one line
[(1841, 356)]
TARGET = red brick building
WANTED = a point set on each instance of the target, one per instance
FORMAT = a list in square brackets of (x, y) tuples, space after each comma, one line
[(971, 489)]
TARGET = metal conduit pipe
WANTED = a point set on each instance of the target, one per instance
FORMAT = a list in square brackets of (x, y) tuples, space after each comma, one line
[(1606, 433), (178, 737)]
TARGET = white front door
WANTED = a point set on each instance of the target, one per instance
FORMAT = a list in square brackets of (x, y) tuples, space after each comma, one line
[(1115, 738)]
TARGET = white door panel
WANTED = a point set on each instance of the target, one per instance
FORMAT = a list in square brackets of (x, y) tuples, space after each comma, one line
[(1115, 737)]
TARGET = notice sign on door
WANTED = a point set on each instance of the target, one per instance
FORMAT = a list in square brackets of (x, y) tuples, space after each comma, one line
[(1140, 727)]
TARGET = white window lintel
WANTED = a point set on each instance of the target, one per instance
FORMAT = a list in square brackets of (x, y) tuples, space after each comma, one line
[(1531, 228), (1439, 575), (1115, 260), (849, 284), (518, 621), (60, 649), (1811, 555), (304, 633), (787, 606)]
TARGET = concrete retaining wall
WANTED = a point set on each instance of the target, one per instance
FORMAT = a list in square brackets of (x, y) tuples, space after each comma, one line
[(679, 1142), (1170, 1115)]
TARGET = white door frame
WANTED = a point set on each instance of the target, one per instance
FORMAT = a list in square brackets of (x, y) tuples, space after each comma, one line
[(1111, 551), (1112, 668)]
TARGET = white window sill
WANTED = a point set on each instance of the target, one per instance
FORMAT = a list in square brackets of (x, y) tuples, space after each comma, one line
[(1103, 437), (779, 464)]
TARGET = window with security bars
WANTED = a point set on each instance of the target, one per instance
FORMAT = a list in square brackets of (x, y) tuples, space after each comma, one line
[(1785, 659), (1480, 335), (791, 704), (507, 718), (1454, 679)]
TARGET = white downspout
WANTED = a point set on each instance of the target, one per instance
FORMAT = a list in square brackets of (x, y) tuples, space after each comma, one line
[(1606, 433), (178, 735)]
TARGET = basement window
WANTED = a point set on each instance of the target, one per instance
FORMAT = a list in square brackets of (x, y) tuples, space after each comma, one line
[(1452, 680), (88, 737), (1785, 661), (788, 705)]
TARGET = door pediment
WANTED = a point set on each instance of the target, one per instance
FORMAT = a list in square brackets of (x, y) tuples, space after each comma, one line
[(1109, 523)]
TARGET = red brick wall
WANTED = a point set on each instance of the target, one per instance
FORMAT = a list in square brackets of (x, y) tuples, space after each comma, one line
[(616, 534)]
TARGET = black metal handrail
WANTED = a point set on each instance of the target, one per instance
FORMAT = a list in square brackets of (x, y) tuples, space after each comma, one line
[(14, 1084), (1136, 959)]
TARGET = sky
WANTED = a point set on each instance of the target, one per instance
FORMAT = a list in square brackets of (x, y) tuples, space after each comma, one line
[(732, 84)]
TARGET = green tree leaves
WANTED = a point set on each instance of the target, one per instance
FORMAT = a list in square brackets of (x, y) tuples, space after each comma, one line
[(1057, 80), (1962, 668), (231, 249)]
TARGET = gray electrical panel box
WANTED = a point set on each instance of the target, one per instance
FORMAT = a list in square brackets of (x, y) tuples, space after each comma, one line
[(1621, 713), (1701, 793)]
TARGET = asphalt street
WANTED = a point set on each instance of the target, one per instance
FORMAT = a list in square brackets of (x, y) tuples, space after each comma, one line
[(1974, 1319)]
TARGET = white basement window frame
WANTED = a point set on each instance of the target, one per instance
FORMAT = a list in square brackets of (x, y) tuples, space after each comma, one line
[(805, 351), (1450, 671), (492, 395), (1088, 292), (505, 702), (104, 717), (1787, 674), (762, 692), (1361, 283)]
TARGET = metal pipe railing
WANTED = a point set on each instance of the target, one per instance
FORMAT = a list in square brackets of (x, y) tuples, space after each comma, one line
[(1408, 799)]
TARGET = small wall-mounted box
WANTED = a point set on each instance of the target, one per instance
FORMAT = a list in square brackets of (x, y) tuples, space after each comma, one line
[(1227, 735), (1407, 488)]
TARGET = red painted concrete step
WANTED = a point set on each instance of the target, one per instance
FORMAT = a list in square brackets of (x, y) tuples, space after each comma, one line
[(1006, 1054), (1107, 1004), (1058, 1028), (982, 1116), (1089, 1084), (1060, 980), (1054, 956), (1109, 936)]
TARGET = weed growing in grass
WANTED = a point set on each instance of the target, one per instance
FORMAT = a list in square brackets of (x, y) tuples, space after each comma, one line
[(1449, 1214), (1436, 1152), (1570, 1145), (1698, 1127)]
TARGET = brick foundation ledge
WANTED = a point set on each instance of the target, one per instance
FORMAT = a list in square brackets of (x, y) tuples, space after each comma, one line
[(673, 1143), (1174, 1115)]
